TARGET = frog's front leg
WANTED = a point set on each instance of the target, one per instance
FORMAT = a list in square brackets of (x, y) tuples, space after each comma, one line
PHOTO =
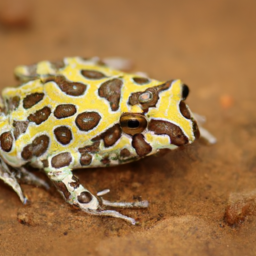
[(75, 194), (9, 178)]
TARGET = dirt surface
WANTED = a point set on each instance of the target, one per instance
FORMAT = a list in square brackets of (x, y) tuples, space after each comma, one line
[(202, 198)]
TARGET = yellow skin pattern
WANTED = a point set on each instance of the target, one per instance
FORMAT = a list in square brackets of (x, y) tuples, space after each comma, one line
[(166, 109)]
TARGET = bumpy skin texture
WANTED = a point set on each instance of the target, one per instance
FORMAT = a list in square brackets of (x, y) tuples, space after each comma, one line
[(80, 113)]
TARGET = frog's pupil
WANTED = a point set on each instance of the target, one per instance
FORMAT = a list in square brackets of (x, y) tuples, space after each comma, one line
[(185, 91), (133, 123)]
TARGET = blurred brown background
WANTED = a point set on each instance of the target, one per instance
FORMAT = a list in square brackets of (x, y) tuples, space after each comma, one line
[(203, 198)]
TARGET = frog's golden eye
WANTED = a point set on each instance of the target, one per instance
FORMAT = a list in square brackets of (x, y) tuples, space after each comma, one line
[(185, 91), (146, 97), (133, 123)]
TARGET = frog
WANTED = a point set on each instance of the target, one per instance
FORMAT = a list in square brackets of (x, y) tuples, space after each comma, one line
[(84, 113)]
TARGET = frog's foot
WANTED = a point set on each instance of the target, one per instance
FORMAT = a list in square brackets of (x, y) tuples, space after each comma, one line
[(118, 63), (110, 213), (142, 74), (9, 178), (89, 208), (29, 178), (204, 134), (123, 65), (207, 136), (75, 194)]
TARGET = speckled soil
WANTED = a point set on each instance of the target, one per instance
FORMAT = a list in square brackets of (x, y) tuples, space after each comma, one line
[(202, 198)]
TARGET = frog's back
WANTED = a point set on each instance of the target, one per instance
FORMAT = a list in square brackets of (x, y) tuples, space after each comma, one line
[(70, 106)]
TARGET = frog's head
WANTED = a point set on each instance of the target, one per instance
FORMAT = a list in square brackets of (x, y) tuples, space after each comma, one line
[(159, 118)]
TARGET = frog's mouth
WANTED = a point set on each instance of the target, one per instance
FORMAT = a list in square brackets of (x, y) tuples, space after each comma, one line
[(175, 133)]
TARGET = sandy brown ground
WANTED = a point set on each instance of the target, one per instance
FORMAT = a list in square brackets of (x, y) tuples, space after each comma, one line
[(211, 45)]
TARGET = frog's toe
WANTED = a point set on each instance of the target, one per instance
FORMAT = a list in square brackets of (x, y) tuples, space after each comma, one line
[(111, 213), (140, 204), (25, 200)]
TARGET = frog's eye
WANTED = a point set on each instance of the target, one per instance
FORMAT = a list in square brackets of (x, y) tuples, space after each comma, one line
[(146, 97), (133, 123), (185, 91)]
